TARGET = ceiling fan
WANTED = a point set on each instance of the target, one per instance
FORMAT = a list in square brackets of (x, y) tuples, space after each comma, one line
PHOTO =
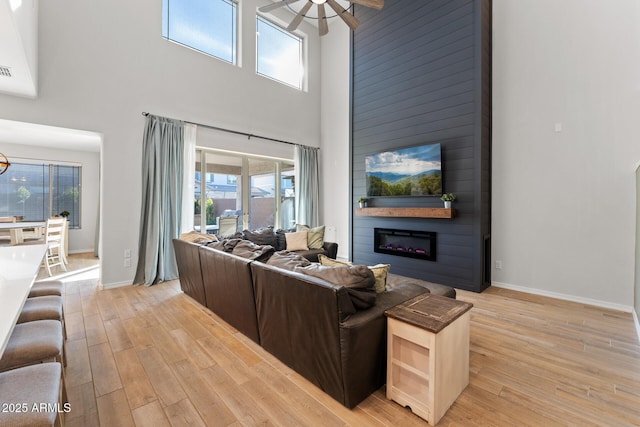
[(323, 27)]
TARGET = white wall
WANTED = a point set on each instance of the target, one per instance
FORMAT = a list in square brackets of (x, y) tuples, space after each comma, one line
[(636, 303), (334, 148), (564, 202), (103, 63), (81, 239)]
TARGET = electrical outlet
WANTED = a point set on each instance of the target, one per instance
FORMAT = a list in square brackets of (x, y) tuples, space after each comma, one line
[(127, 262), (127, 253), (498, 265)]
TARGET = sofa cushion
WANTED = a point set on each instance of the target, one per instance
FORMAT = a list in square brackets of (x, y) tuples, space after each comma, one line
[(297, 241), (196, 237), (281, 240), (380, 271), (225, 245), (315, 236), (288, 260), (262, 236), (357, 279), (250, 250)]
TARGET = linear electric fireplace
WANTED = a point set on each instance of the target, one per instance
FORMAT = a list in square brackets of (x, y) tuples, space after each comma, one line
[(407, 243)]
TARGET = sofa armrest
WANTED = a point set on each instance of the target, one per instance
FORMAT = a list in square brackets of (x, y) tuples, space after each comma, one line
[(189, 271), (363, 338), (331, 248)]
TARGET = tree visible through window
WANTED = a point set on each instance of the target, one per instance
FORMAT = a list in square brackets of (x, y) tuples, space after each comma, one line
[(39, 191), (209, 26)]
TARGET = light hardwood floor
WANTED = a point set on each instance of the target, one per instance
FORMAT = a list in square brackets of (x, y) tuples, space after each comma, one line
[(154, 357)]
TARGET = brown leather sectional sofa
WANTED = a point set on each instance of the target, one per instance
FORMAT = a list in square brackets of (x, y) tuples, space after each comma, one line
[(304, 321)]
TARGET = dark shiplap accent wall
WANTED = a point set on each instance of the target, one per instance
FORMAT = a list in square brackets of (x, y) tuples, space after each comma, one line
[(422, 74)]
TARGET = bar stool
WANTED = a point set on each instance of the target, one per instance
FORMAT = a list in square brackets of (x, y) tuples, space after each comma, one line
[(33, 342), (43, 308), (46, 288), (32, 387)]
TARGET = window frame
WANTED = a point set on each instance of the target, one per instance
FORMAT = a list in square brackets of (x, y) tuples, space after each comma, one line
[(302, 52)]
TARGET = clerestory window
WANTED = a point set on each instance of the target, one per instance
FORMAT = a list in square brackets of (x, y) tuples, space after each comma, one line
[(209, 26), (279, 54)]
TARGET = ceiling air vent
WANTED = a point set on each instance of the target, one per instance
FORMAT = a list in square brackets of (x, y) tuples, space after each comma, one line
[(5, 71)]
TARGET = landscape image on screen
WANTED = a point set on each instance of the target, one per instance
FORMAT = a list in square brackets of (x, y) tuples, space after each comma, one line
[(414, 171)]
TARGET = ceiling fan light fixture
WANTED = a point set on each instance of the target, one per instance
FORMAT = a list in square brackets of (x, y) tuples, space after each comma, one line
[(320, 15)]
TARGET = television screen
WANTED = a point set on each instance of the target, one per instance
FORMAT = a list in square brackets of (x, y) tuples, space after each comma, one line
[(413, 171)]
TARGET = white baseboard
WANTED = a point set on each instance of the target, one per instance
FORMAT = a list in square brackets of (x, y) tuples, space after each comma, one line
[(81, 251), (637, 322), (116, 285), (573, 298)]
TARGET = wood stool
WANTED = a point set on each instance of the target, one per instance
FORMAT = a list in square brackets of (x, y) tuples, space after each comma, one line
[(31, 387)]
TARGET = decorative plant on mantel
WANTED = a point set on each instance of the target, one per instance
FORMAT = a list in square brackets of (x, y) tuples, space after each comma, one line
[(447, 198), (362, 202)]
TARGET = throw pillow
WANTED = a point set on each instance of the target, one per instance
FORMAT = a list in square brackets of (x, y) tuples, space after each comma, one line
[(288, 260), (297, 241), (315, 238), (330, 262), (380, 272), (261, 236), (196, 237)]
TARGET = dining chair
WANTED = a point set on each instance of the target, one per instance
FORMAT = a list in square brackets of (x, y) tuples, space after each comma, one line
[(227, 225), (54, 239), (6, 234)]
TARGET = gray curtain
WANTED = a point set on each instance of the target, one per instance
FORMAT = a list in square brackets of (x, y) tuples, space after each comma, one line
[(162, 174), (307, 186)]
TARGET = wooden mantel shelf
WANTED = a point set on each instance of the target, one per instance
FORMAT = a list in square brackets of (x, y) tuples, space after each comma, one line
[(407, 212)]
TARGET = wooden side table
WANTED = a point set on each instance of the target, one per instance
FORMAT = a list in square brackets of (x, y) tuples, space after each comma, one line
[(428, 354)]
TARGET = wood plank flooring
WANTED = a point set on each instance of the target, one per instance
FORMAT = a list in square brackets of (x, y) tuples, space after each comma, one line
[(154, 357)]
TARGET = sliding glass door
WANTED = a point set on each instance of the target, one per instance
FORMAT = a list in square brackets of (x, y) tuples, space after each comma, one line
[(254, 192)]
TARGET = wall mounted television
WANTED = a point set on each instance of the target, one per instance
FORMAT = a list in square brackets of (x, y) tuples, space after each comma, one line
[(412, 171)]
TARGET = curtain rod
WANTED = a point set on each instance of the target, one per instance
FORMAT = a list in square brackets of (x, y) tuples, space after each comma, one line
[(236, 132)]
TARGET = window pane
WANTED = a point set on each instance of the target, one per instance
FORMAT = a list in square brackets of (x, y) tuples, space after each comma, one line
[(279, 54), (66, 192), (206, 25), (221, 191), (262, 196), (39, 191)]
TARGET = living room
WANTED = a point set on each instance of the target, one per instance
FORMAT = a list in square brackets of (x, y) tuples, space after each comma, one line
[(564, 102)]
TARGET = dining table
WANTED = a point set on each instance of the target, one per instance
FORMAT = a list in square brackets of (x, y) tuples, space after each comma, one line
[(19, 266), (16, 229)]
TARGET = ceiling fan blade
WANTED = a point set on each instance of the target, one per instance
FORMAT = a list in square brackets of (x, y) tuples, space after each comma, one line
[(348, 18), (323, 27), (298, 19), (375, 4), (273, 6)]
